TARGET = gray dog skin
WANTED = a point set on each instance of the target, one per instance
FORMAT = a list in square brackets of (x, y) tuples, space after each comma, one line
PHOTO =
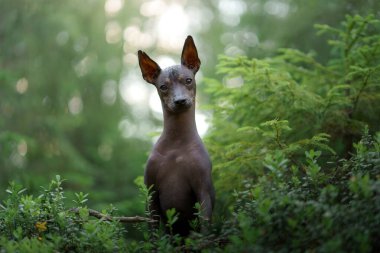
[(179, 168)]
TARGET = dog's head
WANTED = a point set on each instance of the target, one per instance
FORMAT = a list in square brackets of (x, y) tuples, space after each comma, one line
[(175, 85)]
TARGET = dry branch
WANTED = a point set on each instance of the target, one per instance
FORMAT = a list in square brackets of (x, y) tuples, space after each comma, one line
[(121, 219)]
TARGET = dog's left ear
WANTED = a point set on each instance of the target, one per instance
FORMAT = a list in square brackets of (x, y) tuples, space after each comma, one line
[(189, 56)]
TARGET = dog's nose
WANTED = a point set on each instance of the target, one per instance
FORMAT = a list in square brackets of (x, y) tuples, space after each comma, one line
[(180, 101)]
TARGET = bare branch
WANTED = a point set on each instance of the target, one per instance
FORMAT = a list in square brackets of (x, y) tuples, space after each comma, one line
[(122, 219)]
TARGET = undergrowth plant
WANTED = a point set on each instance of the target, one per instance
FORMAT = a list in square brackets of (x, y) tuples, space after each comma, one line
[(334, 210), (44, 224)]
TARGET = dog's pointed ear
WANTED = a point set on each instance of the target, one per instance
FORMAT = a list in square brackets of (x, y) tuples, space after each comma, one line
[(149, 68), (189, 56)]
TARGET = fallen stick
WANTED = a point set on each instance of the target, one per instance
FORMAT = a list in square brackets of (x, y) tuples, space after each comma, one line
[(121, 219)]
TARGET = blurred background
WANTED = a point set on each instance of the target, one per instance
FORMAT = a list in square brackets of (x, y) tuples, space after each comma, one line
[(72, 99)]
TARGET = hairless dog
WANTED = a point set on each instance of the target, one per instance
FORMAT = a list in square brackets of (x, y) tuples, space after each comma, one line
[(178, 170)]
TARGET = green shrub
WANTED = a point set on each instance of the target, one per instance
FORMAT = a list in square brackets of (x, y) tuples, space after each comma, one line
[(40, 224), (332, 210)]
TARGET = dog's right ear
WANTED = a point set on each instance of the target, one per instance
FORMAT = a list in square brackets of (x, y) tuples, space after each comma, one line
[(149, 68)]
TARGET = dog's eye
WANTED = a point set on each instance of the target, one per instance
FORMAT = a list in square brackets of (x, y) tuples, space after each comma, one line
[(188, 80), (163, 87)]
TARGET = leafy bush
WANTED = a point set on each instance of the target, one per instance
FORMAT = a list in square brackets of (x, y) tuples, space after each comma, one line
[(41, 224), (286, 209), (312, 209)]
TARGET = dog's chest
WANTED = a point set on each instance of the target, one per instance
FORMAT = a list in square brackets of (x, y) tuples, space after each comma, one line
[(178, 164)]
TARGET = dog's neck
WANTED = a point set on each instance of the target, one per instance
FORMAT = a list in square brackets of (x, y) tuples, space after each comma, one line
[(180, 126)]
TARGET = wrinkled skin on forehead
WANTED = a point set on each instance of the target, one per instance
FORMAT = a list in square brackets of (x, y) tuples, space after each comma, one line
[(177, 88)]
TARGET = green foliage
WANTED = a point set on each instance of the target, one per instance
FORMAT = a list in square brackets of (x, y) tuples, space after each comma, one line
[(285, 210), (291, 103), (334, 210), (286, 139), (44, 224), (172, 216)]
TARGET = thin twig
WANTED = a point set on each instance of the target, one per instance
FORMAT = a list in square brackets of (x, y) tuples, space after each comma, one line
[(122, 219), (365, 82)]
